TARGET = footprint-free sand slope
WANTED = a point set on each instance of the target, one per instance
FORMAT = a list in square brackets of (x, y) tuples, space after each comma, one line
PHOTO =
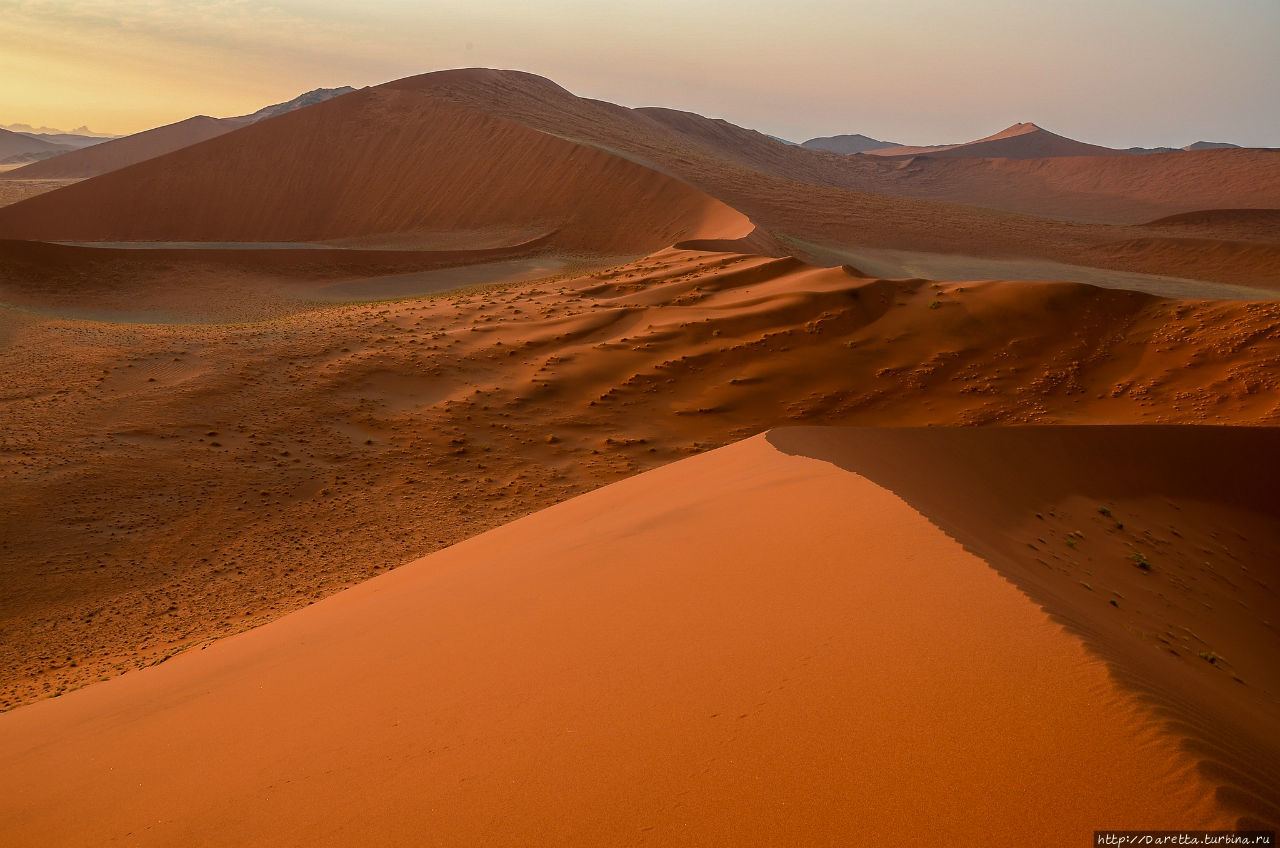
[(743, 648)]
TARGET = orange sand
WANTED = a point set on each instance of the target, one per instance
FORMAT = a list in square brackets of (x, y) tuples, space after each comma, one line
[(376, 162), (440, 412), (744, 648)]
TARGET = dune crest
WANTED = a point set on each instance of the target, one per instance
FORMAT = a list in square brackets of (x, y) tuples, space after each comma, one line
[(536, 684)]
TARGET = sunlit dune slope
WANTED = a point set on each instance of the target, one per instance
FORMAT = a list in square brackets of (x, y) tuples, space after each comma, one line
[(743, 648)]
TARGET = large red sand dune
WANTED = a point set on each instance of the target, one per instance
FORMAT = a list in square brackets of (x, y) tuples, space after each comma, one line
[(1074, 183), (377, 162), (744, 648)]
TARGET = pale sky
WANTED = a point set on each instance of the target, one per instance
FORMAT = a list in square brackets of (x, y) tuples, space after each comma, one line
[(1114, 72)]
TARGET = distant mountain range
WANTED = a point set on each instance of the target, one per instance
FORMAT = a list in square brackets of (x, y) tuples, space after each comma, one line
[(27, 129), (21, 147)]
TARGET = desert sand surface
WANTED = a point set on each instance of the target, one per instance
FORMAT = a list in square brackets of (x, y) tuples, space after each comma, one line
[(713, 653), (461, 411), (1251, 263), (14, 190), (247, 380), (1168, 571)]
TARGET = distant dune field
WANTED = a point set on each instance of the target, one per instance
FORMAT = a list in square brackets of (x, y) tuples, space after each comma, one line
[(745, 493)]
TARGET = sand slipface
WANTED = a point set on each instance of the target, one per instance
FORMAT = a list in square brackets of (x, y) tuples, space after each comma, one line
[(741, 648)]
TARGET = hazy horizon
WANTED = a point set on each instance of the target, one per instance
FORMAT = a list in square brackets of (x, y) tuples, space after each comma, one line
[(1121, 74)]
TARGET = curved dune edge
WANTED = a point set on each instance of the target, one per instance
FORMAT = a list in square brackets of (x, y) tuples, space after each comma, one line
[(744, 647), (1066, 512)]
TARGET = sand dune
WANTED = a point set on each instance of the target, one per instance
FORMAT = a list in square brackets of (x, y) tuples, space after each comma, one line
[(743, 648), (812, 197), (1129, 190), (353, 167), (245, 375), (1240, 224), (458, 413), (1245, 262), (239, 282), (1019, 141), (1166, 569), (1117, 188)]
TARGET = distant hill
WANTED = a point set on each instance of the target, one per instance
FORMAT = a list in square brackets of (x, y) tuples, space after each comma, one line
[(1199, 145), (17, 147), (72, 140), (27, 129), (1211, 145), (1020, 141), (68, 163), (311, 98), (856, 143), (388, 160)]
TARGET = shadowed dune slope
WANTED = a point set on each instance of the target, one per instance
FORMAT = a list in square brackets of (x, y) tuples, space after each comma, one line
[(1160, 546), (744, 648), (122, 152), (375, 162)]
